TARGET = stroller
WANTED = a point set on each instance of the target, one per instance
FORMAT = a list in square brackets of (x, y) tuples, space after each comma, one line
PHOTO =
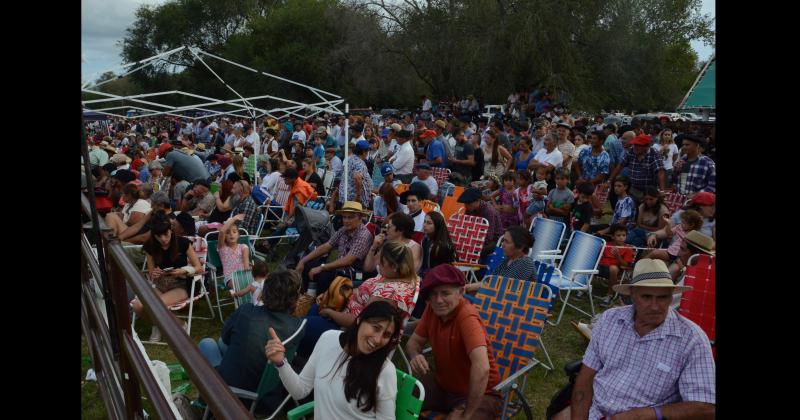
[(314, 229)]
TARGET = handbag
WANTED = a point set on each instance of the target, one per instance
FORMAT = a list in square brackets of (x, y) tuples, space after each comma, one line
[(338, 293)]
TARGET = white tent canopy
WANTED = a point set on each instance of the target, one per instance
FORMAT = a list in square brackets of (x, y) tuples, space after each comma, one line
[(148, 105)]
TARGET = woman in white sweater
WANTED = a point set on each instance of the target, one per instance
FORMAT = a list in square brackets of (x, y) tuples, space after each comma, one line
[(349, 370)]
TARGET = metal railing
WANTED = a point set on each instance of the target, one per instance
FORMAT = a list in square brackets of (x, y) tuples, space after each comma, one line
[(120, 374), (121, 369)]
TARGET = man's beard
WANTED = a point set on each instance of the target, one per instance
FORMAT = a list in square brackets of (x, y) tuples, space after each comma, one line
[(235, 200)]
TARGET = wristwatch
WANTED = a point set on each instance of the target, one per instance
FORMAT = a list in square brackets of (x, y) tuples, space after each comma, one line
[(322, 266)]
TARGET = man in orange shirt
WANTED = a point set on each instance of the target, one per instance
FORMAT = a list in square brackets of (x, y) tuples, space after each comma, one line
[(300, 190), (466, 370)]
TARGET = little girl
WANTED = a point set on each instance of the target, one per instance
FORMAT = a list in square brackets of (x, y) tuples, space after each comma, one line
[(508, 213), (523, 195), (492, 191), (690, 220), (234, 256), (539, 191), (260, 272)]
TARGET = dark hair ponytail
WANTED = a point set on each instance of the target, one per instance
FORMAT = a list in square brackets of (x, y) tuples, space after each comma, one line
[(361, 379)]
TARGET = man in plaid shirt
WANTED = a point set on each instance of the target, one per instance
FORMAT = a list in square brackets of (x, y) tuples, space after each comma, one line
[(645, 360), (645, 166), (694, 172)]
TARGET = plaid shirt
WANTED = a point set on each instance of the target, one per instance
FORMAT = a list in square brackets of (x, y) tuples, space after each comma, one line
[(643, 173), (249, 207), (355, 164), (352, 242), (702, 176), (670, 364)]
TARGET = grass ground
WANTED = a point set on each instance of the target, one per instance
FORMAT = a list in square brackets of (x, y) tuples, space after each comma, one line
[(563, 343)]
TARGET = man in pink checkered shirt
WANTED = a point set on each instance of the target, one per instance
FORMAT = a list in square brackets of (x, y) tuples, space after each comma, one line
[(645, 361)]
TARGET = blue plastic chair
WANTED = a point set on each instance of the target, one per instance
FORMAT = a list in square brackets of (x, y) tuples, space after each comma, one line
[(578, 265)]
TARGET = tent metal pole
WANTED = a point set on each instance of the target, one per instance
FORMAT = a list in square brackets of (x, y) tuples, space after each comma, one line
[(346, 148)]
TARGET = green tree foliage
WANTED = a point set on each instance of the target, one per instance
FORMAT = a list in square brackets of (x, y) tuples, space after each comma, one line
[(625, 54)]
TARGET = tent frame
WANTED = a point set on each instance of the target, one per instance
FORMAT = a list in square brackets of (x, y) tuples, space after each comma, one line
[(242, 107)]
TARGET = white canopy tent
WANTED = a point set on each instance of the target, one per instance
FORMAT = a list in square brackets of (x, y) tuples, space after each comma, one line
[(146, 104)]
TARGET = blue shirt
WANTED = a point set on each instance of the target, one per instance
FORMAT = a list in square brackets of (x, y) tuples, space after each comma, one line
[(592, 166), (615, 151), (144, 174), (624, 208), (319, 153), (436, 149)]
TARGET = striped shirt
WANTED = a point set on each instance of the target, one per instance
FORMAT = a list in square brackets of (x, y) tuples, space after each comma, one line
[(521, 268), (672, 363)]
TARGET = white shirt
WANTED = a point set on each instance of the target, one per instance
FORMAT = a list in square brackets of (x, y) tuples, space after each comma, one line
[(403, 159), (430, 183), (426, 105), (299, 135), (673, 149), (270, 183), (141, 206), (254, 140), (419, 220), (320, 374), (554, 158)]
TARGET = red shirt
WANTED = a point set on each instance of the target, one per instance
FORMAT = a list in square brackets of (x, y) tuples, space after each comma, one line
[(608, 259), (452, 341)]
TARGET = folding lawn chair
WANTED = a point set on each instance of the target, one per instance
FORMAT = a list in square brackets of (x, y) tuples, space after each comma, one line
[(547, 237), (699, 304), (601, 194), (445, 190), (269, 380), (468, 234), (242, 279), (578, 265), (450, 204), (514, 312), (441, 175), (215, 264)]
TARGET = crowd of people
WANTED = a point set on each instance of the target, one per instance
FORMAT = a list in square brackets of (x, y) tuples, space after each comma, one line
[(161, 180)]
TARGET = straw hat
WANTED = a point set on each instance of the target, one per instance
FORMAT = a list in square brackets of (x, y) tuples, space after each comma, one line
[(353, 207), (650, 273), (700, 241)]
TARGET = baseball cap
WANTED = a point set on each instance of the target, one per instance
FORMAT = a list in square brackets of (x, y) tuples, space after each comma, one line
[(641, 140), (163, 148), (428, 133), (362, 145), (387, 169)]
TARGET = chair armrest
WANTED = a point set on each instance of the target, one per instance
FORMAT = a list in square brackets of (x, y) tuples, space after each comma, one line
[(302, 410), (506, 384), (241, 393), (549, 256), (585, 271), (469, 265), (550, 251)]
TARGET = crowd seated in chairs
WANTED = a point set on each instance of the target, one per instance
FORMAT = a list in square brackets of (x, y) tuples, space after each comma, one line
[(434, 226)]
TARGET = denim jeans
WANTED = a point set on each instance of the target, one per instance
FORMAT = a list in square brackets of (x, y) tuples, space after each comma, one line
[(315, 326), (213, 350)]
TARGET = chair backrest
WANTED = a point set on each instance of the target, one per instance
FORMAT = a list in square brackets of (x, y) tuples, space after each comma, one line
[(371, 227), (547, 235), (212, 238), (699, 304), (544, 272), (429, 206), (200, 248), (514, 312), (401, 188), (583, 253), (674, 201), (450, 204), (241, 279), (601, 192), (407, 406), (441, 175), (282, 193), (468, 234), (496, 258), (269, 377), (418, 237)]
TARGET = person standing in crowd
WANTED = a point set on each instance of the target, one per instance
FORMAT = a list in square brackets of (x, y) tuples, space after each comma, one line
[(463, 160), (645, 165), (694, 172), (403, 159)]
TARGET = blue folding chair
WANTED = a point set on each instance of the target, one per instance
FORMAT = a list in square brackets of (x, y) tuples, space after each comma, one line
[(578, 265), (547, 237)]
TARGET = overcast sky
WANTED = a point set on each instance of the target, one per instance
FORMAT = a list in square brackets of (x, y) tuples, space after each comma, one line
[(103, 24)]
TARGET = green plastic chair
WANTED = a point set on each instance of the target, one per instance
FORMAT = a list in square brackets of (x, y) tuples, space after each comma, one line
[(269, 381), (407, 406)]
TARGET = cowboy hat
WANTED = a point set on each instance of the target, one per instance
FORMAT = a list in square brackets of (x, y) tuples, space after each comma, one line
[(650, 273), (353, 207), (700, 241)]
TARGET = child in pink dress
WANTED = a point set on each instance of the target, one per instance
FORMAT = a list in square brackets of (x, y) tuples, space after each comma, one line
[(234, 256)]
